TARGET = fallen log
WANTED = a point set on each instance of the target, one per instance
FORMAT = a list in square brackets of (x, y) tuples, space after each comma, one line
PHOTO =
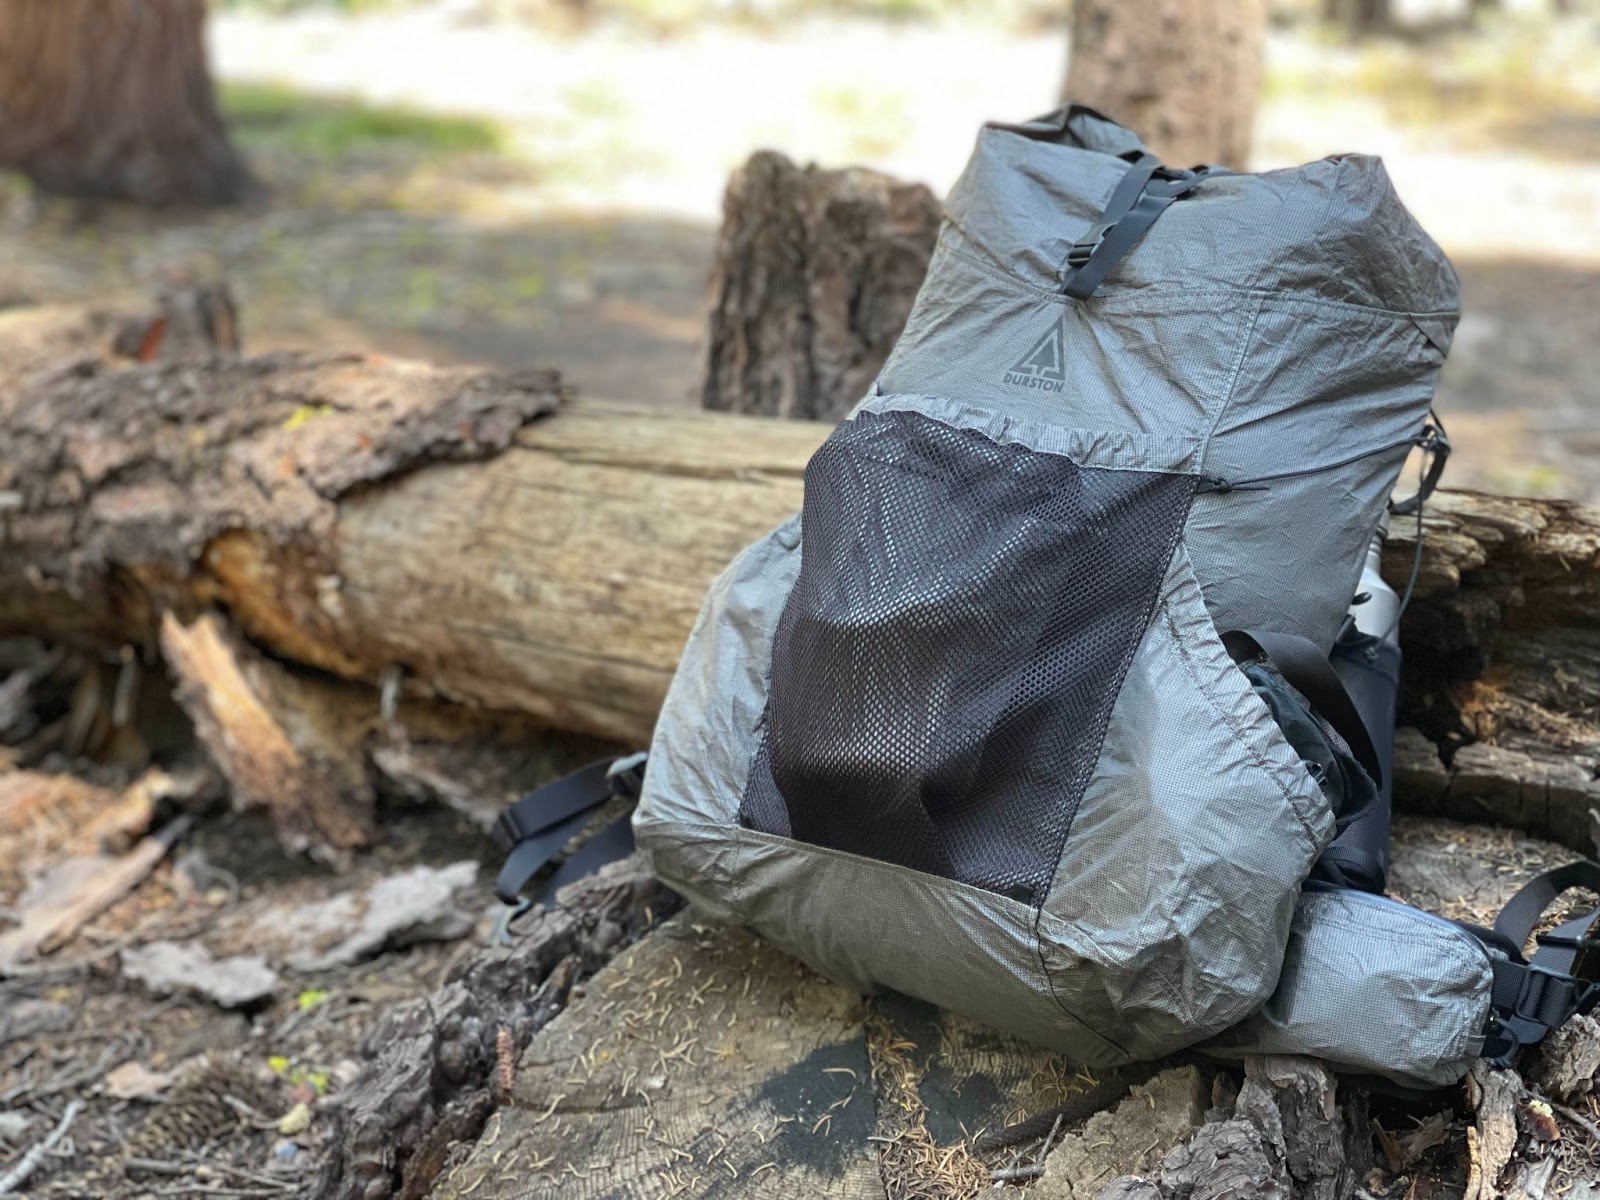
[(490, 545), (556, 575)]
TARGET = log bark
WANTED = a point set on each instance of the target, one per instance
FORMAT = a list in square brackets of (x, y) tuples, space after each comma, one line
[(1502, 672), (497, 548), (112, 99), (1184, 74), (814, 276), (313, 498)]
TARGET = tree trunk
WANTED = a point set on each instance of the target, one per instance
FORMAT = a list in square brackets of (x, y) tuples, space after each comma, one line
[(1183, 74), (1359, 17), (814, 276), (112, 99)]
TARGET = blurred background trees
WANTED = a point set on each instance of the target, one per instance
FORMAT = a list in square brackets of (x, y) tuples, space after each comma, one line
[(112, 99), (531, 181), (1185, 74), (1364, 16)]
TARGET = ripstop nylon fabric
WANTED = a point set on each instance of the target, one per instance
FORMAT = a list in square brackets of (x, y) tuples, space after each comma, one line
[(948, 657)]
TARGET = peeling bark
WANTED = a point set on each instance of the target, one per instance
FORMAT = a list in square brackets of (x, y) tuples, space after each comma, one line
[(275, 744), (426, 1078), (1502, 671)]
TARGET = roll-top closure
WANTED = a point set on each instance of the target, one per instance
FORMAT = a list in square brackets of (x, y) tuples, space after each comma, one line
[(1332, 229)]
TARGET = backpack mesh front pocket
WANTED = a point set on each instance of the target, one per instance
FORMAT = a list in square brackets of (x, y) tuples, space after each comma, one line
[(947, 660)]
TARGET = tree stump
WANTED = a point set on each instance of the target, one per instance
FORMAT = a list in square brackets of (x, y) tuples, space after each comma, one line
[(814, 276), (702, 1062)]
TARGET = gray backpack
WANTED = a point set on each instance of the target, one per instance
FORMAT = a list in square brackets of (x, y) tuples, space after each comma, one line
[(1029, 712)]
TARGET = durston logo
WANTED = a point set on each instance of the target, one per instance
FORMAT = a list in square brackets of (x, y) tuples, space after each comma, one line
[(1043, 368)]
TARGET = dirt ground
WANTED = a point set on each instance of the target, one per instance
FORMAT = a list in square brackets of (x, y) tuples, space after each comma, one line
[(183, 1097)]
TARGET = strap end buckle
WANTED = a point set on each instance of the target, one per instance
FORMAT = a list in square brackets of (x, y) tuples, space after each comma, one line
[(507, 831), (1083, 249)]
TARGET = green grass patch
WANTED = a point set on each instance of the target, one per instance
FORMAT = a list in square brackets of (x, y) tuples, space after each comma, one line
[(332, 127)]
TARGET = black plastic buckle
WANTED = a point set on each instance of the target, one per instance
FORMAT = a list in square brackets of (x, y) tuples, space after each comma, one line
[(507, 831), (1525, 1023), (1588, 998), (1083, 249), (1531, 996), (1502, 1043)]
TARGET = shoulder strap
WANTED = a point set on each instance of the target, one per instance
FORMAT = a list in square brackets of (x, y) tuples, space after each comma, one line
[(1300, 662), (533, 829)]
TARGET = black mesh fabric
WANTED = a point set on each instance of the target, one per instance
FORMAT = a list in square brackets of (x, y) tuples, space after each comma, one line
[(946, 663)]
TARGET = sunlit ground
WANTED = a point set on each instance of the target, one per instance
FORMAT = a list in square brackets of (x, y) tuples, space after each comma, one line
[(478, 190)]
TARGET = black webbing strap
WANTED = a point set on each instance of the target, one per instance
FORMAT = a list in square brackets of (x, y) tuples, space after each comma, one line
[(1530, 998), (1123, 197), (1300, 662), (1145, 191), (1558, 949), (534, 828)]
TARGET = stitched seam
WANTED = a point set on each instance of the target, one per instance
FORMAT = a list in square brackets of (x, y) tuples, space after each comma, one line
[(1049, 981), (1233, 377), (1160, 447)]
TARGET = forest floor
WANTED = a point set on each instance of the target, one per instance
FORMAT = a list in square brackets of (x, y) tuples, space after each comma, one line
[(447, 187), (444, 188)]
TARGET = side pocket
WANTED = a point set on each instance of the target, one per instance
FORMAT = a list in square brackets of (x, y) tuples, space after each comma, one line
[(707, 733), (1235, 701), (950, 653), (1171, 904), (1375, 987)]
